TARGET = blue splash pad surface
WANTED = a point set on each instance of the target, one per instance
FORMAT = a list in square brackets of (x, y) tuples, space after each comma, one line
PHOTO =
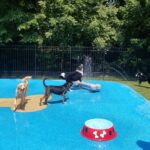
[(58, 126)]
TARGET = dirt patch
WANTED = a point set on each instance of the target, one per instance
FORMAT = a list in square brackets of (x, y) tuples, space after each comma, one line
[(31, 105)]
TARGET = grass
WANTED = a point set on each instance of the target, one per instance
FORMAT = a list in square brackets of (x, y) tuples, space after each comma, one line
[(143, 89)]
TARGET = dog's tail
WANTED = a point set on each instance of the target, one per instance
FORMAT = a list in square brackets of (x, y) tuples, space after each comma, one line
[(63, 75), (44, 82)]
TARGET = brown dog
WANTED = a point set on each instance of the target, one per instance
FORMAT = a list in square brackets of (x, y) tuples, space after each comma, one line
[(59, 90), (21, 92)]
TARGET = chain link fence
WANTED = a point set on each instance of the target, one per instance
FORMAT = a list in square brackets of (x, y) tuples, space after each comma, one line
[(102, 63)]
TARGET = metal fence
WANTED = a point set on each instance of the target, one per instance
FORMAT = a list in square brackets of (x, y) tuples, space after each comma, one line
[(21, 60)]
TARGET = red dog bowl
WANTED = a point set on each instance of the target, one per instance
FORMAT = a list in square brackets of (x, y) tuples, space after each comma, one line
[(98, 130)]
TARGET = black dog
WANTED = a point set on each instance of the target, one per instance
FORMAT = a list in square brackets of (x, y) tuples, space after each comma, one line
[(74, 76), (141, 77), (59, 90)]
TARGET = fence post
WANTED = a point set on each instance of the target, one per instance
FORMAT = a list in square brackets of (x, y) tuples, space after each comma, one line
[(103, 63), (70, 57), (35, 61)]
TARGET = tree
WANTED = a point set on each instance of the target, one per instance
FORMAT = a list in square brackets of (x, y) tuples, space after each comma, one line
[(135, 33), (59, 22)]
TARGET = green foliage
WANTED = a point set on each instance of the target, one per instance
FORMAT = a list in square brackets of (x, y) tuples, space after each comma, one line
[(137, 23), (59, 22), (75, 22), (135, 16), (79, 23)]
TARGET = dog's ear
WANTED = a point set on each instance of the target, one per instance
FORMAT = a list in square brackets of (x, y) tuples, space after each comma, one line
[(141, 74), (27, 78), (80, 67), (136, 75)]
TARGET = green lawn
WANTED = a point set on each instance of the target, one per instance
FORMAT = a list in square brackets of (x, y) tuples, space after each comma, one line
[(143, 89)]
